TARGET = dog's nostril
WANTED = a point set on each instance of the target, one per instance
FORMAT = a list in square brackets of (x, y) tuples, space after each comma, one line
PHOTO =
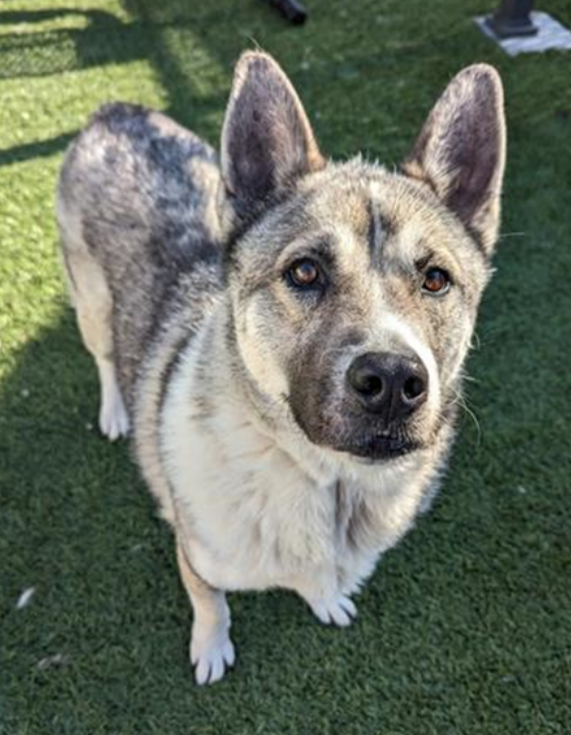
[(365, 380), (413, 388), (370, 385)]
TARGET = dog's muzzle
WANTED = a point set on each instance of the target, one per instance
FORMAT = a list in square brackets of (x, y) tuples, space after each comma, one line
[(373, 413)]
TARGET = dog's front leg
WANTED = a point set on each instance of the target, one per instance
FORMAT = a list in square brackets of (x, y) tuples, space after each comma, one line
[(211, 649)]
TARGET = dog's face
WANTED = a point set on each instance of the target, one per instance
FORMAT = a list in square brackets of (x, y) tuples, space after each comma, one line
[(355, 290)]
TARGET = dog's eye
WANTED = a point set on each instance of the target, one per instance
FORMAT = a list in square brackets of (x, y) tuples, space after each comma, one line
[(436, 282), (303, 273)]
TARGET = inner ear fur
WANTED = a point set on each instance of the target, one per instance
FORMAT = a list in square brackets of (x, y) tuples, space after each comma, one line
[(461, 151), (267, 141)]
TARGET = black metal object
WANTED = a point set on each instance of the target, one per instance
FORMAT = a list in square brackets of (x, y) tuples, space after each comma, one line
[(292, 10), (512, 18)]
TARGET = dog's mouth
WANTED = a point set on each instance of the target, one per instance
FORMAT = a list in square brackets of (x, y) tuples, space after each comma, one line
[(362, 441), (378, 448), (368, 445)]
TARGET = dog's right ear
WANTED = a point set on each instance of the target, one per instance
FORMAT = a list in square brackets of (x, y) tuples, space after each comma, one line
[(267, 141)]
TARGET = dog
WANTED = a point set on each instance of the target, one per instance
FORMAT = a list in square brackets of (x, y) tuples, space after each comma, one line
[(284, 336)]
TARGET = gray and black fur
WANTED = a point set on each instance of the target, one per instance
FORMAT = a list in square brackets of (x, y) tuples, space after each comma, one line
[(151, 222)]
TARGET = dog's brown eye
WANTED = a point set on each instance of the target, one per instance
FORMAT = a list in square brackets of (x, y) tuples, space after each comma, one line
[(436, 281), (304, 273)]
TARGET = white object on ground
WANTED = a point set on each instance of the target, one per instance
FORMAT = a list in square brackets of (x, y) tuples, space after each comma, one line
[(25, 598), (550, 35), (49, 661)]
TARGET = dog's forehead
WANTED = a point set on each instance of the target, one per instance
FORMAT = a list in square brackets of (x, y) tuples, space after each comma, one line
[(386, 214), (367, 218)]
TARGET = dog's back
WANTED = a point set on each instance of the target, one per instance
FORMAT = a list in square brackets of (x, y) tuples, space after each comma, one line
[(137, 213)]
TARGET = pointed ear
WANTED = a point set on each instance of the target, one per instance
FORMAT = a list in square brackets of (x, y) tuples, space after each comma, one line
[(460, 152), (267, 141)]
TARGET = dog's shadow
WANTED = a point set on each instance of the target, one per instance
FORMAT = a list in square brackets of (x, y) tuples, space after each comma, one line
[(77, 524)]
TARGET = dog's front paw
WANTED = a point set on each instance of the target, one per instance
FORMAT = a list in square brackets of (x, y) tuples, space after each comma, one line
[(339, 610), (212, 656)]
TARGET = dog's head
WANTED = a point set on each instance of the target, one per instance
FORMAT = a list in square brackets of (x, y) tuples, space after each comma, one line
[(354, 290)]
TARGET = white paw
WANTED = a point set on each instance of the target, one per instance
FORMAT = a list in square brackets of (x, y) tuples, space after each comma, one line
[(212, 657), (339, 610), (113, 418)]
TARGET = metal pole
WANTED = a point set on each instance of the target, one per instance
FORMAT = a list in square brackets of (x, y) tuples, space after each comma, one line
[(292, 10), (512, 18)]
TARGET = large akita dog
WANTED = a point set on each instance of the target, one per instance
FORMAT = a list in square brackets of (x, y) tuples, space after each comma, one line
[(284, 335)]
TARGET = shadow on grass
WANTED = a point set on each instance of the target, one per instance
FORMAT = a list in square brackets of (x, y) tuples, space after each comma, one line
[(105, 39), (39, 149), (78, 527)]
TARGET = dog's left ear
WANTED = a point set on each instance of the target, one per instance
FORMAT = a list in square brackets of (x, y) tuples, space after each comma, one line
[(267, 141), (461, 151)]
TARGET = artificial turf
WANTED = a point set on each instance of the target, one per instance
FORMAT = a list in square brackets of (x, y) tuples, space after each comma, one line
[(466, 626)]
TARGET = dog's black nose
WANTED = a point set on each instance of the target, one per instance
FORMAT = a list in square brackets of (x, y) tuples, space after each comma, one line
[(387, 384)]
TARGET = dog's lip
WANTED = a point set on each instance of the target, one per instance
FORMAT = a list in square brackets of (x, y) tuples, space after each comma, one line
[(379, 448), (367, 447)]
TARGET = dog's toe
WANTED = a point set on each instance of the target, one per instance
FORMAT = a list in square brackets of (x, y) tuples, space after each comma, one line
[(339, 611), (212, 659)]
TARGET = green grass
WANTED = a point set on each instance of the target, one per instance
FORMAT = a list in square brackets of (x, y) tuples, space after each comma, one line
[(466, 626)]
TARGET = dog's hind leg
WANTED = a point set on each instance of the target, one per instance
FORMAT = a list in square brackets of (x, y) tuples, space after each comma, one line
[(211, 649), (91, 297), (93, 304)]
